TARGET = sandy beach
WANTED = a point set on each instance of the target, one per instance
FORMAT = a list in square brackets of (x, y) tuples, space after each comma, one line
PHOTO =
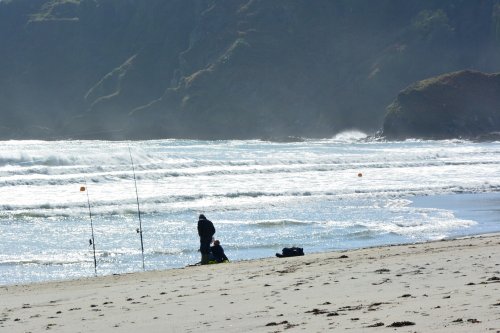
[(443, 286)]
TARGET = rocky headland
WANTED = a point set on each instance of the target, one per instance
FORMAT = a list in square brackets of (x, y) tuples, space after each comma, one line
[(464, 104)]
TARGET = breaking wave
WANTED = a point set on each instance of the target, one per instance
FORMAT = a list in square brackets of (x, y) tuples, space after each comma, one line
[(347, 191)]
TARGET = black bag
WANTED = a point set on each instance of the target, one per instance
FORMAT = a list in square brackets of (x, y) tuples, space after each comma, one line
[(290, 252)]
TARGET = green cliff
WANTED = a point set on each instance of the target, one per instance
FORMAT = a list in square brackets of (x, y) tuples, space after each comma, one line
[(137, 69), (463, 104)]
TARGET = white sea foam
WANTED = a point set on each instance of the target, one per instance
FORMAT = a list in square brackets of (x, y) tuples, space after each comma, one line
[(350, 136), (342, 192)]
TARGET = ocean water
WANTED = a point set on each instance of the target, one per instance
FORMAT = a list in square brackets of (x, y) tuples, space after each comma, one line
[(322, 195)]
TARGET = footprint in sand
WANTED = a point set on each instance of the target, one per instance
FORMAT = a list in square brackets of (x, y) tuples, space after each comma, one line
[(376, 324), (401, 324)]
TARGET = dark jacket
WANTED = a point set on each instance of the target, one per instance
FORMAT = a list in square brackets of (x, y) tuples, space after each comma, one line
[(206, 229), (218, 253)]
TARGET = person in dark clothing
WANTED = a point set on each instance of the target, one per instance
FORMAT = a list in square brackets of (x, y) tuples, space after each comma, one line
[(206, 232), (217, 252)]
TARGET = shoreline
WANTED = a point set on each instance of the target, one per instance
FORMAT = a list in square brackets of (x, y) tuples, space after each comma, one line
[(450, 285), (481, 207), (331, 252)]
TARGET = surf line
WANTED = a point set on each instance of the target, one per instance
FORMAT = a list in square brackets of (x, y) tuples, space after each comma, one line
[(139, 230), (91, 241)]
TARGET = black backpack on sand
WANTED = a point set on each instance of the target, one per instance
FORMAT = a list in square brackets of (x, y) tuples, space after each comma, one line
[(290, 252)]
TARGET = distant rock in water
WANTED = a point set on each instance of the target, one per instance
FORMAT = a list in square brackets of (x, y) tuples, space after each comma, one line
[(284, 139), (463, 104)]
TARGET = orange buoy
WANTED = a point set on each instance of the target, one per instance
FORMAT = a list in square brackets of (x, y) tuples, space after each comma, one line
[(82, 189)]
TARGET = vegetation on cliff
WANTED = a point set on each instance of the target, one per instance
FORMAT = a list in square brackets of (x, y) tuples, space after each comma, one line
[(226, 69), (463, 104)]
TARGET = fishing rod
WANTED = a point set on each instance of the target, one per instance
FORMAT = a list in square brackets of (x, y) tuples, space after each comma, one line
[(91, 241), (139, 231)]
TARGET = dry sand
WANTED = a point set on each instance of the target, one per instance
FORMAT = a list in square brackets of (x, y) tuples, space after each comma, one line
[(445, 286)]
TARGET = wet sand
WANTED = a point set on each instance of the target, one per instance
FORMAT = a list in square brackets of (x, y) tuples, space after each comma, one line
[(443, 286)]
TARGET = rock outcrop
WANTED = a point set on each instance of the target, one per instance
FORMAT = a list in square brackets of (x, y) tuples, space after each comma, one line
[(464, 104)]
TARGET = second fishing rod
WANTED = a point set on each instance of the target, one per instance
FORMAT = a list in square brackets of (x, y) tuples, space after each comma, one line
[(139, 230)]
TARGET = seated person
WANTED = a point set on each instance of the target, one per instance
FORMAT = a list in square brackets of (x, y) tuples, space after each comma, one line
[(217, 253)]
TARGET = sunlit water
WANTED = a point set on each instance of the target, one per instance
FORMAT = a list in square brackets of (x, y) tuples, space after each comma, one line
[(322, 195)]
